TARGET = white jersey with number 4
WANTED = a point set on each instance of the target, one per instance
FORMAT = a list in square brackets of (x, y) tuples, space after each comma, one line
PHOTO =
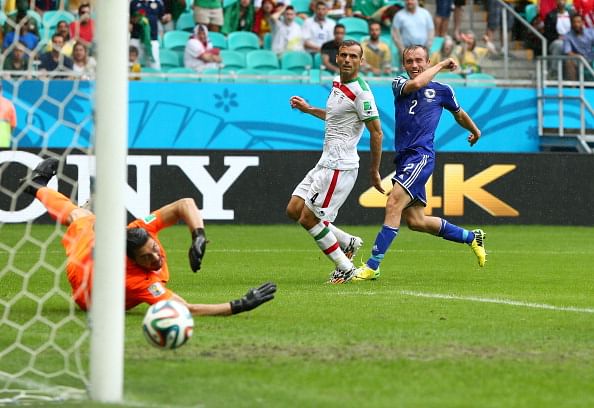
[(349, 106)]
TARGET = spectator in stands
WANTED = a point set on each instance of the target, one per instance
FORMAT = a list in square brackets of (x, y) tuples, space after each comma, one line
[(413, 25), (286, 33), (144, 18), (458, 14), (447, 50), (7, 120), (239, 17), (366, 9), (21, 18), (64, 30), (469, 54), (209, 13), (16, 60), (26, 37), (443, 10), (83, 29), (339, 8), (318, 29), (199, 53), (376, 53), (329, 49), (173, 8), (578, 41), (494, 10), (46, 5), (82, 64), (264, 19), (556, 25), (74, 5), (134, 62), (54, 60)]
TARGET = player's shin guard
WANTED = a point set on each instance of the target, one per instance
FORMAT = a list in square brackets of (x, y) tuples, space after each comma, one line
[(328, 243), (57, 204), (454, 233)]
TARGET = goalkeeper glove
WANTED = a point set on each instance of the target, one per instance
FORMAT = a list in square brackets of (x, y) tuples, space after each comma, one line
[(254, 298), (197, 249)]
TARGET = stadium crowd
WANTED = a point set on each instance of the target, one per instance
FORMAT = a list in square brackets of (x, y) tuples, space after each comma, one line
[(55, 38)]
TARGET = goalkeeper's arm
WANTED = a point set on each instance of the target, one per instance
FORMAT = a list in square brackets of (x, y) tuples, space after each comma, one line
[(252, 299)]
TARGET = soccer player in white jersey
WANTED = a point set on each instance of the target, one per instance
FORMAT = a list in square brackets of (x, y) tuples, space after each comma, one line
[(316, 200), (419, 102)]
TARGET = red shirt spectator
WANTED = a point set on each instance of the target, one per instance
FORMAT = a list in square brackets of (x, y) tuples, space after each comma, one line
[(83, 28)]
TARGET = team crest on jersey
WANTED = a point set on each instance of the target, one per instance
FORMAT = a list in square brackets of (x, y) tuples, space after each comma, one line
[(366, 105), (429, 94), (156, 289), (149, 218)]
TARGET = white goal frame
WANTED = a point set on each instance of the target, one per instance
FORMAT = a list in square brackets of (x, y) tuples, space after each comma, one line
[(111, 146)]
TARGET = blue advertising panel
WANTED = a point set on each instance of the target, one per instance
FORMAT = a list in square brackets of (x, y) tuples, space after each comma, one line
[(237, 116)]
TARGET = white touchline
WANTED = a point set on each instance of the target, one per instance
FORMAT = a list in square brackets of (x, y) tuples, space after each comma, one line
[(498, 301)]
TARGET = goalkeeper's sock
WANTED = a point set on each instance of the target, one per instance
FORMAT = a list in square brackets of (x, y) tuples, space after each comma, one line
[(57, 204), (454, 233), (328, 243), (383, 240)]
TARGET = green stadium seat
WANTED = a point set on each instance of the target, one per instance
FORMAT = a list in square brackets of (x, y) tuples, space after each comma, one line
[(317, 60), (261, 59), (355, 27), (233, 59), (175, 40), (210, 75), (218, 40), (185, 22), (436, 44), (169, 59), (152, 78), (301, 6), (530, 12), (480, 79), (296, 61), (243, 41), (267, 41), (283, 76), (51, 18)]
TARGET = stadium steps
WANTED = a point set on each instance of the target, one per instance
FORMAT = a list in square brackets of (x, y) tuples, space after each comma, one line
[(550, 140)]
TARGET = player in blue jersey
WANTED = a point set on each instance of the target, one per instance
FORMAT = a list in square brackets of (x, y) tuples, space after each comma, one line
[(419, 103)]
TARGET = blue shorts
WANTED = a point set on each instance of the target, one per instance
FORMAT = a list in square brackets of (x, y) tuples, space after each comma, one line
[(443, 8), (413, 169)]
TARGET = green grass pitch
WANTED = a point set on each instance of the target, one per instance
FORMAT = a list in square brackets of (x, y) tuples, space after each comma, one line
[(434, 331)]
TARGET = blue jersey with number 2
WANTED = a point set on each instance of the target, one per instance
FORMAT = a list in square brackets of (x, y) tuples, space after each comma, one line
[(418, 113)]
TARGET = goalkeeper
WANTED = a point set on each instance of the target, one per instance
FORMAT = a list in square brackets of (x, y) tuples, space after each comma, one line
[(147, 272)]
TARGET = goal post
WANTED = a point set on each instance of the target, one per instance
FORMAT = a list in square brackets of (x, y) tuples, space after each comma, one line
[(111, 144)]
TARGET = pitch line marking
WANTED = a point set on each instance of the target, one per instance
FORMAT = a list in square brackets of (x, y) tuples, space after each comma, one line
[(498, 301)]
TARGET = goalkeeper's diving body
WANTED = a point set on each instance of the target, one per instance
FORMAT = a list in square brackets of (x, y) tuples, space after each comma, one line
[(147, 272)]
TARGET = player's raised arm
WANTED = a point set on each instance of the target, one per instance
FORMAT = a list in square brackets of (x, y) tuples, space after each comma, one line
[(186, 210), (375, 135), (427, 75), (467, 123), (298, 102)]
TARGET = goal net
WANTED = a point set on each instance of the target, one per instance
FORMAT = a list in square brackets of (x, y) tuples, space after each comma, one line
[(45, 340)]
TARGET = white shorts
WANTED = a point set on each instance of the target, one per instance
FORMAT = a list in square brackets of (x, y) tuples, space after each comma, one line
[(325, 190)]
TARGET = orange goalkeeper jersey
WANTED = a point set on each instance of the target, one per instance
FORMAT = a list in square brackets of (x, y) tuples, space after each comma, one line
[(142, 286)]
